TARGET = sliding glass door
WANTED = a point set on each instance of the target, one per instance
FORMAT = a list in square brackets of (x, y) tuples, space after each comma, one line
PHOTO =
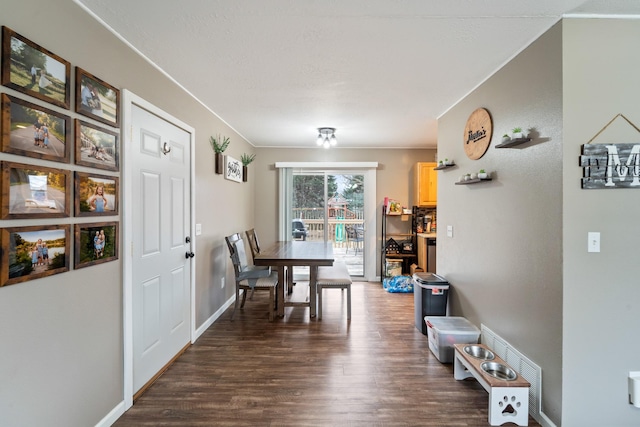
[(329, 207)]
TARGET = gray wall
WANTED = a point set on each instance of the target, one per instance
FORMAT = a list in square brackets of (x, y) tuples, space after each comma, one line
[(601, 290), (61, 359), (504, 261)]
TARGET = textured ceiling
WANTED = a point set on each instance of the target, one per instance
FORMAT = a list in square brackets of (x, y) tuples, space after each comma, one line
[(380, 71)]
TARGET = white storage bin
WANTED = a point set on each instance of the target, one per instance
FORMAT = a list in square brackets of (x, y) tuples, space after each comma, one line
[(444, 332)]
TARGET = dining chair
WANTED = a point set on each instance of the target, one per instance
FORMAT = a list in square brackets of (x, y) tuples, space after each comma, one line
[(254, 244), (250, 277), (355, 237)]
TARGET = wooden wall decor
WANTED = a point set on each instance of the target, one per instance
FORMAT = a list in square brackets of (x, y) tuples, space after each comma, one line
[(477, 134), (610, 165)]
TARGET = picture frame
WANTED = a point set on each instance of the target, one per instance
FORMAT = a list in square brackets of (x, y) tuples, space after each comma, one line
[(95, 195), (30, 191), (97, 99), (34, 131), (96, 147), (33, 252), (232, 169), (95, 243), (34, 70)]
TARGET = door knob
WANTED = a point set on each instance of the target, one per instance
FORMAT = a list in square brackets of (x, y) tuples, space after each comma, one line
[(189, 255)]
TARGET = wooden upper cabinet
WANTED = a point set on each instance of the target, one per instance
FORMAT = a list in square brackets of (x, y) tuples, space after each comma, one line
[(426, 184)]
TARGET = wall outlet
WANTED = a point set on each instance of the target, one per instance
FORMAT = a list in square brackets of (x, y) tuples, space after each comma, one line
[(222, 283), (198, 229), (449, 230)]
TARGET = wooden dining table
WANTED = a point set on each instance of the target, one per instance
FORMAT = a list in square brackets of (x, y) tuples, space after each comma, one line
[(285, 255)]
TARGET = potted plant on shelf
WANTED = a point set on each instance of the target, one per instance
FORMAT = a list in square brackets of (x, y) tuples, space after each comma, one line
[(246, 160), (219, 144), (448, 162), (506, 138), (517, 133), (482, 174)]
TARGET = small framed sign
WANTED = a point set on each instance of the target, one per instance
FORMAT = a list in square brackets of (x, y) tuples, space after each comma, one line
[(232, 169)]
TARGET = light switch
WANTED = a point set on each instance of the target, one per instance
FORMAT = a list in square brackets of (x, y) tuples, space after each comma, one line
[(198, 229), (449, 230), (593, 244)]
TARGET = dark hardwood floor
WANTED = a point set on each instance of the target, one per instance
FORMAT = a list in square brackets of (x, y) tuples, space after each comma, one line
[(376, 370)]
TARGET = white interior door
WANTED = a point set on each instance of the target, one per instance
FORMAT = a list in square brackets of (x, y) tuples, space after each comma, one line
[(161, 222)]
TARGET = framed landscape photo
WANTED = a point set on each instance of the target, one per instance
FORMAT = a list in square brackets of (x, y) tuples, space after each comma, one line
[(96, 98), (34, 131), (96, 147), (30, 191), (32, 252), (95, 243), (96, 195), (31, 69)]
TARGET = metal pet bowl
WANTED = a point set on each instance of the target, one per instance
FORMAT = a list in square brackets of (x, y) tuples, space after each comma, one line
[(499, 371), (479, 352)]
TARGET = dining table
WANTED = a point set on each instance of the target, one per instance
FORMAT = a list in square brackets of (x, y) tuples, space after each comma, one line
[(284, 255)]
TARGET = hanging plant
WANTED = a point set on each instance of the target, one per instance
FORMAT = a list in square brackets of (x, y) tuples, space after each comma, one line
[(219, 144), (246, 159)]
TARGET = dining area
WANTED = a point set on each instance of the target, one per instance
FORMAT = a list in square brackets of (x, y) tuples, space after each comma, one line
[(272, 269)]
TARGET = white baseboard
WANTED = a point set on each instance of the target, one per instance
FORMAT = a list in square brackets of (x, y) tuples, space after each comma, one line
[(112, 416), (215, 316), (545, 421)]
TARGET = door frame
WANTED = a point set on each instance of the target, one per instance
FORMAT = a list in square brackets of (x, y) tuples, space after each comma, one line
[(129, 99), (368, 169)]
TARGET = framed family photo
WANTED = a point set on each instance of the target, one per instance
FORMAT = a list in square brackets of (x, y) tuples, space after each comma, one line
[(96, 147), (96, 98), (96, 195), (34, 131), (31, 69), (32, 252), (95, 243), (30, 191)]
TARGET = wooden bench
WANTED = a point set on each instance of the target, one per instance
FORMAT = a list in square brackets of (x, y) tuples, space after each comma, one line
[(334, 277), (508, 400)]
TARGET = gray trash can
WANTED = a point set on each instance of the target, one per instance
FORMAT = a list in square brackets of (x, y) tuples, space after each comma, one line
[(430, 293)]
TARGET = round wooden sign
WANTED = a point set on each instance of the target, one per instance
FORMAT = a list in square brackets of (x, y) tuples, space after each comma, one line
[(477, 134)]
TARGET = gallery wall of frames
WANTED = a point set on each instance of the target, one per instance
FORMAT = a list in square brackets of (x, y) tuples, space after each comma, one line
[(39, 124)]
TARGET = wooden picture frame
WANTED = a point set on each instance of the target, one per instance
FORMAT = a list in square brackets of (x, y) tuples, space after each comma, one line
[(232, 169), (34, 131), (95, 243), (30, 191), (96, 147), (32, 69), (96, 195), (33, 252), (97, 99)]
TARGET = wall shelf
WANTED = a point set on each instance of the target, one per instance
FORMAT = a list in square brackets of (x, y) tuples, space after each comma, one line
[(472, 181), (442, 167), (513, 142)]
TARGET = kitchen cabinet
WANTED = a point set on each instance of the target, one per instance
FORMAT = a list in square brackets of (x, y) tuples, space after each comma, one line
[(426, 184)]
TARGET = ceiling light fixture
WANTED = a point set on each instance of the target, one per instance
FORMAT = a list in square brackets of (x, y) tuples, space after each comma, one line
[(326, 137)]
